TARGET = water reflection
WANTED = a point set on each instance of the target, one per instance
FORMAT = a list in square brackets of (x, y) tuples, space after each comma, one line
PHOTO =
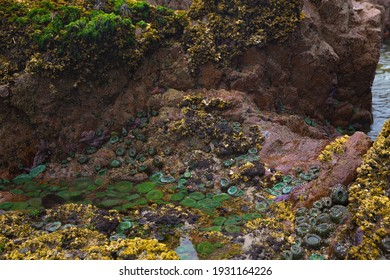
[(381, 91)]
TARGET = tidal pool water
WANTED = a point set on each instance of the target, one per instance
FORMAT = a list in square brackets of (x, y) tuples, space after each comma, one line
[(381, 92)]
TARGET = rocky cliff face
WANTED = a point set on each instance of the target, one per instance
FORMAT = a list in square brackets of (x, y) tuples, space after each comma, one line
[(323, 70)]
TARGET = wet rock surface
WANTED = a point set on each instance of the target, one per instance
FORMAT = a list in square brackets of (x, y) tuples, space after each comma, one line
[(242, 161), (206, 167), (323, 70)]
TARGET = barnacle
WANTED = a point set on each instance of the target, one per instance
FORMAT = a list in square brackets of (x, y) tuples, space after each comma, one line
[(335, 147), (213, 24)]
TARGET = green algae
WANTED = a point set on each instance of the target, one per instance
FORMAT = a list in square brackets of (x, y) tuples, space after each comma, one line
[(57, 36)]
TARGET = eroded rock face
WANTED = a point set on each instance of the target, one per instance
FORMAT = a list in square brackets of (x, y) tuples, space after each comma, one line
[(323, 70), (384, 6)]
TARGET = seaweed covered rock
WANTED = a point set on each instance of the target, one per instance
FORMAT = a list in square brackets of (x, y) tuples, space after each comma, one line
[(369, 201), (221, 30), (153, 49), (75, 37), (74, 234)]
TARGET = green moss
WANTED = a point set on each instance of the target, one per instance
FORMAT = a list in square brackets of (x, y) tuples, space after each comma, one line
[(62, 36)]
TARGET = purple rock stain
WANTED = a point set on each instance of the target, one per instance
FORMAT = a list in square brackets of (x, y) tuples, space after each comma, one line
[(282, 197), (42, 154), (358, 237), (89, 138)]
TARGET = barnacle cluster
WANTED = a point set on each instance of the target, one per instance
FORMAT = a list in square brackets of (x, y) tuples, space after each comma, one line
[(220, 30), (335, 147), (78, 36), (369, 199), (202, 118), (25, 237)]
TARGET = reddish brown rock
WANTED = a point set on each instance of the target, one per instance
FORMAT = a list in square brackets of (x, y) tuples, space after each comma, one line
[(333, 53), (9, 197), (284, 149), (342, 169)]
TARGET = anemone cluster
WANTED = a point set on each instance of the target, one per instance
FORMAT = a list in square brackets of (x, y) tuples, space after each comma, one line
[(221, 196), (314, 227)]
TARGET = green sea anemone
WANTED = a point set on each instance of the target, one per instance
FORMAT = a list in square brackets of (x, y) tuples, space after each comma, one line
[(302, 229), (339, 195), (120, 151), (167, 179), (205, 248), (114, 139), (312, 241), (115, 163), (158, 162), (196, 195), (154, 195), (323, 229), (50, 227), (326, 202), (37, 170), (82, 159), (145, 187), (219, 221), (188, 202), (297, 252), (232, 228)]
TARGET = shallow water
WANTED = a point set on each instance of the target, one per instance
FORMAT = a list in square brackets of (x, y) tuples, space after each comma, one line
[(381, 91)]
